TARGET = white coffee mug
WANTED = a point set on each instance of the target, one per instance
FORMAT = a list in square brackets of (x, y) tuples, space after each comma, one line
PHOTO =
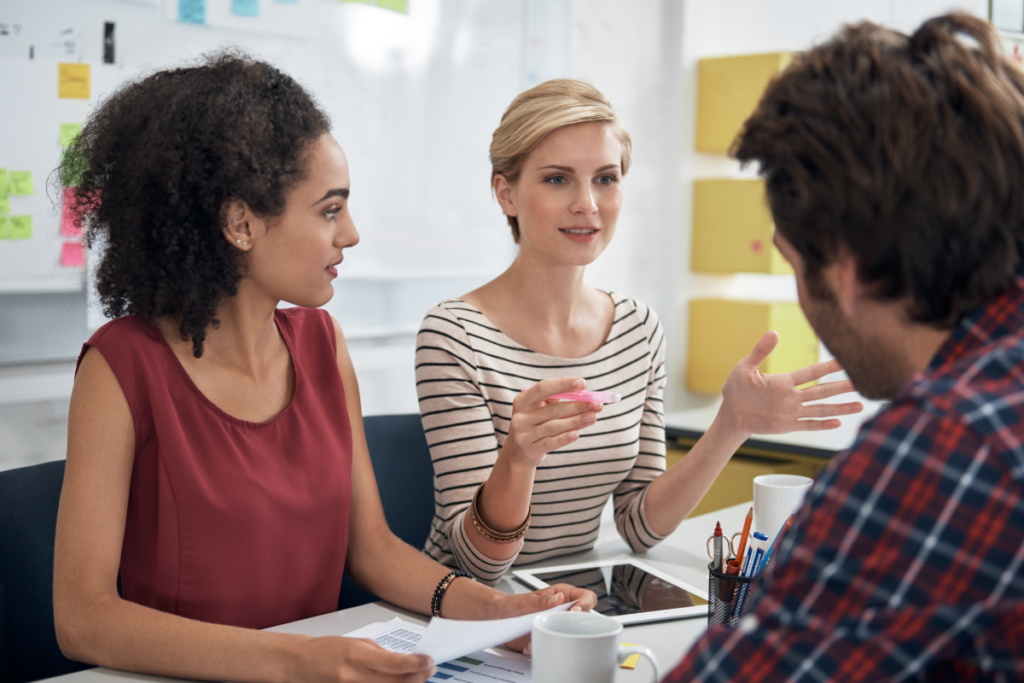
[(580, 647), (776, 497)]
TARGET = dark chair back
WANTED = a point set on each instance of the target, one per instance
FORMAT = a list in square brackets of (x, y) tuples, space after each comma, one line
[(28, 526), (405, 479)]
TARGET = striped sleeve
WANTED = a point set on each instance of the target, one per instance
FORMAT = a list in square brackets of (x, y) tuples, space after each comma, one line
[(630, 516), (460, 432)]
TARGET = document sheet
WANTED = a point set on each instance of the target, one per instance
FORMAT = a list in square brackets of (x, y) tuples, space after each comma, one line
[(485, 666), (452, 638)]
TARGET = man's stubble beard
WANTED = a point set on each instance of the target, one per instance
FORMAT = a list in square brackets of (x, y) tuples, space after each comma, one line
[(876, 371)]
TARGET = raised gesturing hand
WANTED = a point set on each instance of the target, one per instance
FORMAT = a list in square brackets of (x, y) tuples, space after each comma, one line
[(756, 403)]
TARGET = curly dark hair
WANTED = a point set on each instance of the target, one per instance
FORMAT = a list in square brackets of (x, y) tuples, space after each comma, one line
[(154, 165), (906, 150)]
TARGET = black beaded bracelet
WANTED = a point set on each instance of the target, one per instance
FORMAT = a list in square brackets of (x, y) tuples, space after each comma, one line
[(435, 602)]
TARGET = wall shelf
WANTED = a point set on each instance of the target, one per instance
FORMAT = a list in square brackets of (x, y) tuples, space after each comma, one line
[(74, 283)]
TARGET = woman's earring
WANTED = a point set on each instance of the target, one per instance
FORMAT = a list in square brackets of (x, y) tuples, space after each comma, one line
[(238, 241)]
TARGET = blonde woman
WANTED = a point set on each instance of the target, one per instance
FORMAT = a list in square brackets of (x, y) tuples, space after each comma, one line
[(518, 477)]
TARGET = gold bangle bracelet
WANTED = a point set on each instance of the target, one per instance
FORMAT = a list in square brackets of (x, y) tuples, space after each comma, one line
[(489, 533)]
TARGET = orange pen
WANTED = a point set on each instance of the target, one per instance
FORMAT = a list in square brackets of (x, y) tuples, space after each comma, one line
[(746, 531)]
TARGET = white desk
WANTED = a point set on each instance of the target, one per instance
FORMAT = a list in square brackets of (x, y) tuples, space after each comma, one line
[(682, 555)]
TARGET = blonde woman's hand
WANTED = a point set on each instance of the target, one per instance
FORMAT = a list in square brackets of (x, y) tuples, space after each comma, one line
[(540, 426), (756, 403), (546, 598)]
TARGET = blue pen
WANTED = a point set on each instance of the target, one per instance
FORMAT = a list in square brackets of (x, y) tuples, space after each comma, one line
[(755, 553), (768, 555)]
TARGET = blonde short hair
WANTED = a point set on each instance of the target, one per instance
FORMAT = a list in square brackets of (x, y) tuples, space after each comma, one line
[(538, 112)]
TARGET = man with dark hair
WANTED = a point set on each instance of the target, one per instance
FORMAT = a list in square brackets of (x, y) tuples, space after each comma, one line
[(894, 167)]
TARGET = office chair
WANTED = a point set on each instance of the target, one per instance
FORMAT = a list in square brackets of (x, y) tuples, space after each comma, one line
[(28, 526), (405, 479)]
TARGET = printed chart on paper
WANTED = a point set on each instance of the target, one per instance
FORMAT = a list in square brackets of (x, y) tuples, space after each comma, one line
[(487, 666)]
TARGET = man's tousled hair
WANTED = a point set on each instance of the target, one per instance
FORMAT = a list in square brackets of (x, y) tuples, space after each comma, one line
[(907, 151)]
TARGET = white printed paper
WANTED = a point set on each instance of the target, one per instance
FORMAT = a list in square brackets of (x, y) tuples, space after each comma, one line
[(489, 666), (395, 635), (448, 639)]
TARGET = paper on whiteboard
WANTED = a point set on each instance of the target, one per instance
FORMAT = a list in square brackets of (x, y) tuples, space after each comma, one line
[(488, 666), (448, 639)]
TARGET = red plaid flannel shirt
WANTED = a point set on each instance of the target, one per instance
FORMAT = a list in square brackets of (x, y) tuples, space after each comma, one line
[(906, 561)]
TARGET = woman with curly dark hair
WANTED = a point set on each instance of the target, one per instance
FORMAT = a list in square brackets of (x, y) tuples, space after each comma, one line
[(216, 457)]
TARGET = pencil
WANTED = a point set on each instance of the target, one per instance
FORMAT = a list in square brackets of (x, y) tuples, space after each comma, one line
[(746, 530)]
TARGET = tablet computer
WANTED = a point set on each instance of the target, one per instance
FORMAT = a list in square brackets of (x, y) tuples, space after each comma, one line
[(627, 590)]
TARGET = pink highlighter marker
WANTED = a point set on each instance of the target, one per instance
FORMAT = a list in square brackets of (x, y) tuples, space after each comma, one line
[(588, 396)]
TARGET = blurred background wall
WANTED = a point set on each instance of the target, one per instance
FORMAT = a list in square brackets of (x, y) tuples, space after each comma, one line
[(414, 95)]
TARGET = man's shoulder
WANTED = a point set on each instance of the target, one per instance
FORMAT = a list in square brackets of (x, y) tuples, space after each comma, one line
[(975, 403), (984, 389)]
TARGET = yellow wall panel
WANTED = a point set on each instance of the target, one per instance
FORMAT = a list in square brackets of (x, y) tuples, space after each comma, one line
[(723, 331), (798, 345), (732, 229), (728, 90)]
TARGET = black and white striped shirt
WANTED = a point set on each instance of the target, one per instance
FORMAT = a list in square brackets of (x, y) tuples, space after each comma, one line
[(468, 372)]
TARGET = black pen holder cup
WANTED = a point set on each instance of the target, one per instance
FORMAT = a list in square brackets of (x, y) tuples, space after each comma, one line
[(728, 596)]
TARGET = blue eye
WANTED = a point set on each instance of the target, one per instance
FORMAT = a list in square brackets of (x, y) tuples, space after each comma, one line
[(607, 179), (557, 180)]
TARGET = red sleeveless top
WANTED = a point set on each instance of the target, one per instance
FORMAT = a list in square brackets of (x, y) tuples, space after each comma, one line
[(234, 522)]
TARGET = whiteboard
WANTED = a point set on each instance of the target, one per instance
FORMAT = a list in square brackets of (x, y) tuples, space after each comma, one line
[(30, 141), (413, 100), (295, 18)]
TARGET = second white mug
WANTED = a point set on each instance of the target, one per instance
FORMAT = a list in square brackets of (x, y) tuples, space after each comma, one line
[(776, 497), (580, 647)]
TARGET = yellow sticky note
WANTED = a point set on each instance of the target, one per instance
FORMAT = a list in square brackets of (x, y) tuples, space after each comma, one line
[(5, 230), (68, 133), (21, 227), (3, 183), (20, 184), (5, 205), (73, 81), (632, 660)]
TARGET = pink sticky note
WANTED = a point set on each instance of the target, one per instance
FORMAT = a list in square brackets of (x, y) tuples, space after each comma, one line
[(68, 228), (72, 255)]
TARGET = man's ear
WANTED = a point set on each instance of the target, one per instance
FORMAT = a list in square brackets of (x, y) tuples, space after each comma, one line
[(849, 290), (505, 194), (236, 214)]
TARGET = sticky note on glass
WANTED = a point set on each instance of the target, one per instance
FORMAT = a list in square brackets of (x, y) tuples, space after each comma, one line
[(72, 255), (4, 189), (394, 5), (68, 133), (245, 8), (71, 170), (192, 11), (21, 227), (20, 184), (5, 205), (73, 81), (70, 222), (5, 228)]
